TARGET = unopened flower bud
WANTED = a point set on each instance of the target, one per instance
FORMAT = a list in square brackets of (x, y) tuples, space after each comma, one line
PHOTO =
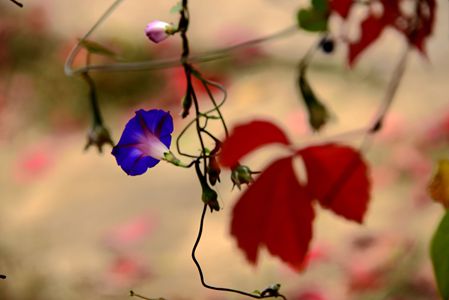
[(213, 170), (271, 291), (241, 175), (157, 31), (210, 198)]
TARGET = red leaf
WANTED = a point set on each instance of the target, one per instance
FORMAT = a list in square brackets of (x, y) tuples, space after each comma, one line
[(341, 7), (337, 177), (248, 137), (373, 26), (371, 29), (275, 212), (426, 20)]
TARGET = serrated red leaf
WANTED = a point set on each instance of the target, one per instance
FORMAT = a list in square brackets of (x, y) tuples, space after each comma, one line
[(337, 177), (371, 29), (416, 29), (248, 137), (341, 7), (425, 24), (275, 212)]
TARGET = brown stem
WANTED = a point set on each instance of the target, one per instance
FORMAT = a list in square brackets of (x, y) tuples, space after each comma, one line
[(390, 92), (17, 3), (200, 271)]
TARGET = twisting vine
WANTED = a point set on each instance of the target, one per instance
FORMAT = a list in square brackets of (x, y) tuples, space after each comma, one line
[(206, 166), (205, 162), (98, 134), (272, 291)]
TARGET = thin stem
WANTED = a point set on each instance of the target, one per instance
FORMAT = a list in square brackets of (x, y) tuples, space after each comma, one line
[(390, 92), (164, 63), (96, 113), (307, 58), (170, 158), (210, 135), (198, 129), (178, 139), (200, 271), (133, 294), (75, 50), (183, 27), (17, 3), (206, 84)]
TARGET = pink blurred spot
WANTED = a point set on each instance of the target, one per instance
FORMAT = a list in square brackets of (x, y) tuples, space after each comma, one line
[(318, 253), (297, 122), (37, 20), (34, 163), (361, 278), (126, 271), (176, 84), (131, 232), (125, 267), (437, 132), (394, 127), (231, 36), (419, 192), (384, 175), (412, 161), (373, 260), (311, 295)]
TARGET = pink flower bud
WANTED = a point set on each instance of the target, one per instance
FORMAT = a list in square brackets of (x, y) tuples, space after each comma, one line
[(157, 31)]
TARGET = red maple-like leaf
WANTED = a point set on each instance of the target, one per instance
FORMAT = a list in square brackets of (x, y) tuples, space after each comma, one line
[(416, 28), (337, 178), (248, 137), (424, 25), (373, 26), (371, 29), (275, 212)]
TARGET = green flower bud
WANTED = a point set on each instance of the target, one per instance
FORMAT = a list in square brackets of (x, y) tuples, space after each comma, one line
[(210, 197), (241, 175), (271, 291)]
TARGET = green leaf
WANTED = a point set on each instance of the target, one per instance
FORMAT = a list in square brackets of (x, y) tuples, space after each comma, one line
[(96, 48), (313, 20), (439, 252), (318, 114), (176, 8), (320, 5)]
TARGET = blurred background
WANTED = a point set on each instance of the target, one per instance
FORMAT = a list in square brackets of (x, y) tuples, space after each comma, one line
[(73, 225)]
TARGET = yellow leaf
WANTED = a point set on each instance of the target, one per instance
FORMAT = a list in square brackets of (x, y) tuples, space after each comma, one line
[(439, 185)]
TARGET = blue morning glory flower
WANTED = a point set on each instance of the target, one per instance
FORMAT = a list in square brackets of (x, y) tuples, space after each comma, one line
[(145, 139)]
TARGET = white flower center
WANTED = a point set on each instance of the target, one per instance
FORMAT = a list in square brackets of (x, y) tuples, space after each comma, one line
[(152, 146)]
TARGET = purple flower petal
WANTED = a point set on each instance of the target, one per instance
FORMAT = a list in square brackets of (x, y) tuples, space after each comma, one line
[(145, 139)]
